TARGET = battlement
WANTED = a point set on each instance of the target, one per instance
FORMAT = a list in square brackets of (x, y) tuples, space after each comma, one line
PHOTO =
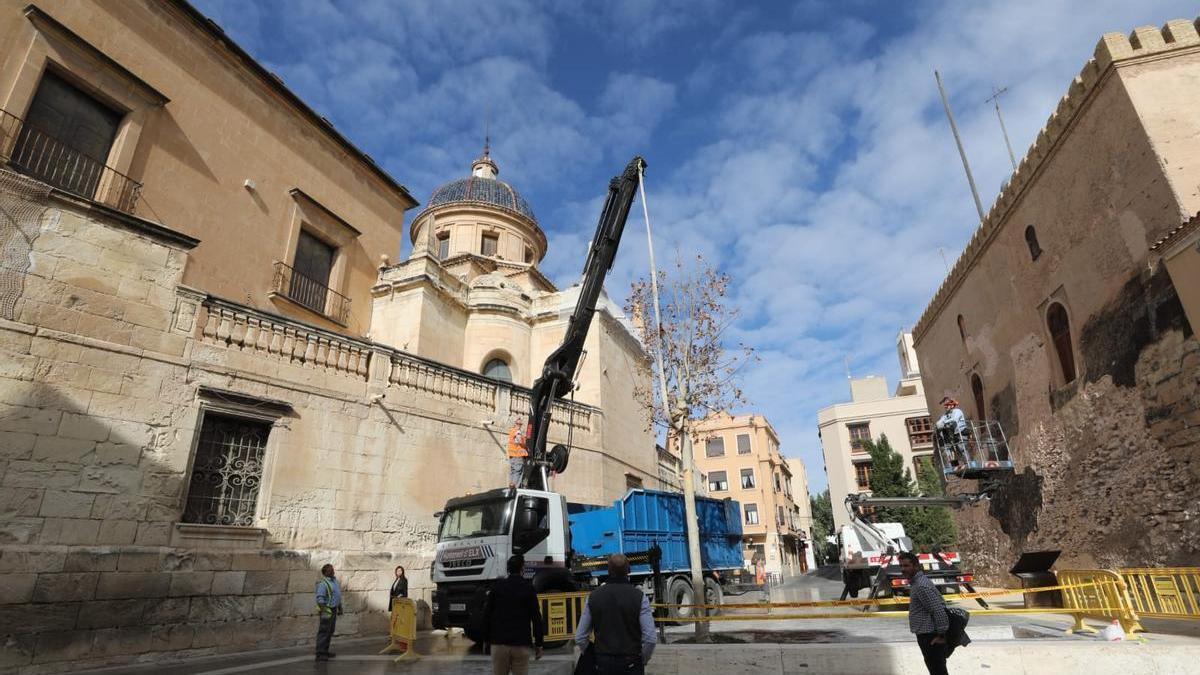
[(1112, 48)]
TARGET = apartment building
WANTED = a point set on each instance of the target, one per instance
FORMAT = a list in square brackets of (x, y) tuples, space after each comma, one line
[(869, 414), (739, 457)]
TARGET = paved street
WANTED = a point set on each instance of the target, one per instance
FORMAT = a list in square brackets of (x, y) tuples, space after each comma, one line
[(459, 655)]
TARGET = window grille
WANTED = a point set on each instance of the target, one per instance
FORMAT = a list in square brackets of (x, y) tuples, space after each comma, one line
[(227, 471)]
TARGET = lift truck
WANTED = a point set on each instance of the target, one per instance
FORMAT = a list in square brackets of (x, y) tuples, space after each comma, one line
[(978, 453)]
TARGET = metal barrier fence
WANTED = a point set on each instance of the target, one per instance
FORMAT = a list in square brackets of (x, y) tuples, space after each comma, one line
[(1168, 592), (1098, 593), (560, 614), (1164, 592)]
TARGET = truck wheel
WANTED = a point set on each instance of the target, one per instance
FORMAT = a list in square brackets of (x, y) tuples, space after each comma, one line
[(713, 595), (679, 592)]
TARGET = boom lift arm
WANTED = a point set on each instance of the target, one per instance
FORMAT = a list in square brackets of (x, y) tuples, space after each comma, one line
[(558, 372), (878, 540)]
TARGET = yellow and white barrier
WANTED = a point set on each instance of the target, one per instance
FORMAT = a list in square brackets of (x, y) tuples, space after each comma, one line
[(402, 632)]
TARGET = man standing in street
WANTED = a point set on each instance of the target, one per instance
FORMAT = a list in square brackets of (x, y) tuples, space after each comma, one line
[(927, 616), (511, 616), (620, 616), (329, 606)]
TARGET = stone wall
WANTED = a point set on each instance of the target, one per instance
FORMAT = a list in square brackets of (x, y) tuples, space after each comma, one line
[(1106, 461), (105, 374)]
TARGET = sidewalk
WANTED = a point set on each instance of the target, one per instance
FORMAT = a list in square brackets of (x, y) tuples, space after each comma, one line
[(354, 656)]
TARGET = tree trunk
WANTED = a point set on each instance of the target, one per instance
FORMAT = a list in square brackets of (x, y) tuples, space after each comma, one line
[(693, 529)]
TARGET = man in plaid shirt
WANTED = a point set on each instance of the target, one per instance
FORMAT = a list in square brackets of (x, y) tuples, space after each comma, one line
[(927, 616)]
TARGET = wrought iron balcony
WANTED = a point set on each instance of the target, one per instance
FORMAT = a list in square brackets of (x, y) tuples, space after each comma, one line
[(310, 293), (37, 154)]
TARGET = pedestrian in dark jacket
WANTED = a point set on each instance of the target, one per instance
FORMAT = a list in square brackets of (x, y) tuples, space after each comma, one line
[(927, 616), (399, 586), (619, 615), (512, 622)]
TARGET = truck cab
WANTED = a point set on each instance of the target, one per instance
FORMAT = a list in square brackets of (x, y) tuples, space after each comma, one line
[(477, 535)]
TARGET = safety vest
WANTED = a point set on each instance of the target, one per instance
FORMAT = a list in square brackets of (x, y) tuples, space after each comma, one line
[(326, 610), (516, 442)]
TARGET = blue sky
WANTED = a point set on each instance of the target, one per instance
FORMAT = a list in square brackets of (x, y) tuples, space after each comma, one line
[(800, 146)]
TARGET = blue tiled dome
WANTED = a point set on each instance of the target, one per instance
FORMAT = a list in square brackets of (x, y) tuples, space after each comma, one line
[(482, 190)]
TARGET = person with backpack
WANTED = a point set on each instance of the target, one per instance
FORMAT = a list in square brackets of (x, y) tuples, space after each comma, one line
[(927, 615)]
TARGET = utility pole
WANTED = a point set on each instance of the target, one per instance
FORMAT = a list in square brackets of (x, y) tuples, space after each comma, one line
[(995, 98), (678, 421), (958, 141)]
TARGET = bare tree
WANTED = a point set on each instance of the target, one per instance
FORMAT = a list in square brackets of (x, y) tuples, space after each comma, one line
[(697, 370), (700, 368)]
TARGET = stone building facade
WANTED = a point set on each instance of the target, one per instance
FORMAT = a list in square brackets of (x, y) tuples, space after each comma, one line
[(1062, 323), (870, 414), (186, 434), (739, 458)]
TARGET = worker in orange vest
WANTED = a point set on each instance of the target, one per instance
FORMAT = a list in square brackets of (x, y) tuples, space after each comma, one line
[(517, 437)]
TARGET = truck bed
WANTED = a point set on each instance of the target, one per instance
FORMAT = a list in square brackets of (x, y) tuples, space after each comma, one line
[(643, 518)]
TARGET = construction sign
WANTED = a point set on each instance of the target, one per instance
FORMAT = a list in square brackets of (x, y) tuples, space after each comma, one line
[(402, 633)]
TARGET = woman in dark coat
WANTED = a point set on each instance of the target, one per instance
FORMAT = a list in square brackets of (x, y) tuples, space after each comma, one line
[(399, 586)]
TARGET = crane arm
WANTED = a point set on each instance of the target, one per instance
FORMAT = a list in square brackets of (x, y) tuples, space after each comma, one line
[(558, 372)]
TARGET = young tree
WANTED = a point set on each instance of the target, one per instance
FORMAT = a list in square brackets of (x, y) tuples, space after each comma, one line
[(822, 527), (700, 367), (926, 526), (697, 368), (932, 526)]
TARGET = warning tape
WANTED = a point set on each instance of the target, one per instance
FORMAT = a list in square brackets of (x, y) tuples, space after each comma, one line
[(875, 615), (882, 601)]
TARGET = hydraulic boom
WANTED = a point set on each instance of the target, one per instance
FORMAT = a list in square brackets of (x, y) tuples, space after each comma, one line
[(558, 372)]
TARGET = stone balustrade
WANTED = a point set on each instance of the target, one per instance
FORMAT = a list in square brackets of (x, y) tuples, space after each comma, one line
[(563, 414), (239, 327), (442, 381), (235, 326)]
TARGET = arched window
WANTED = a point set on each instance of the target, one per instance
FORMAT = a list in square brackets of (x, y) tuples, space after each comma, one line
[(1060, 334), (962, 328), (977, 391), (1035, 251), (498, 369)]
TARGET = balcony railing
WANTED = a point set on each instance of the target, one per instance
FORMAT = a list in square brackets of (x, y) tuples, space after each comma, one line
[(310, 293), (37, 154)]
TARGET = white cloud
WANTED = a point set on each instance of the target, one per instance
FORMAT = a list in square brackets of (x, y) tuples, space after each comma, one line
[(814, 163)]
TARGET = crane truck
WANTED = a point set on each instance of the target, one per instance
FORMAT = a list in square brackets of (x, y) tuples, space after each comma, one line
[(564, 543)]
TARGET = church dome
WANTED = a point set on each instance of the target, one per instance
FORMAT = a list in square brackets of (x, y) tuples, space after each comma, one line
[(482, 190)]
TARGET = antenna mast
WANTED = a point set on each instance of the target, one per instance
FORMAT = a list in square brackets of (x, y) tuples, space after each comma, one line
[(958, 141), (995, 98)]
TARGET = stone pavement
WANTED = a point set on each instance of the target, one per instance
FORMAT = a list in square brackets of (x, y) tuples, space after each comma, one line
[(360, 655), (1027, 644)]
